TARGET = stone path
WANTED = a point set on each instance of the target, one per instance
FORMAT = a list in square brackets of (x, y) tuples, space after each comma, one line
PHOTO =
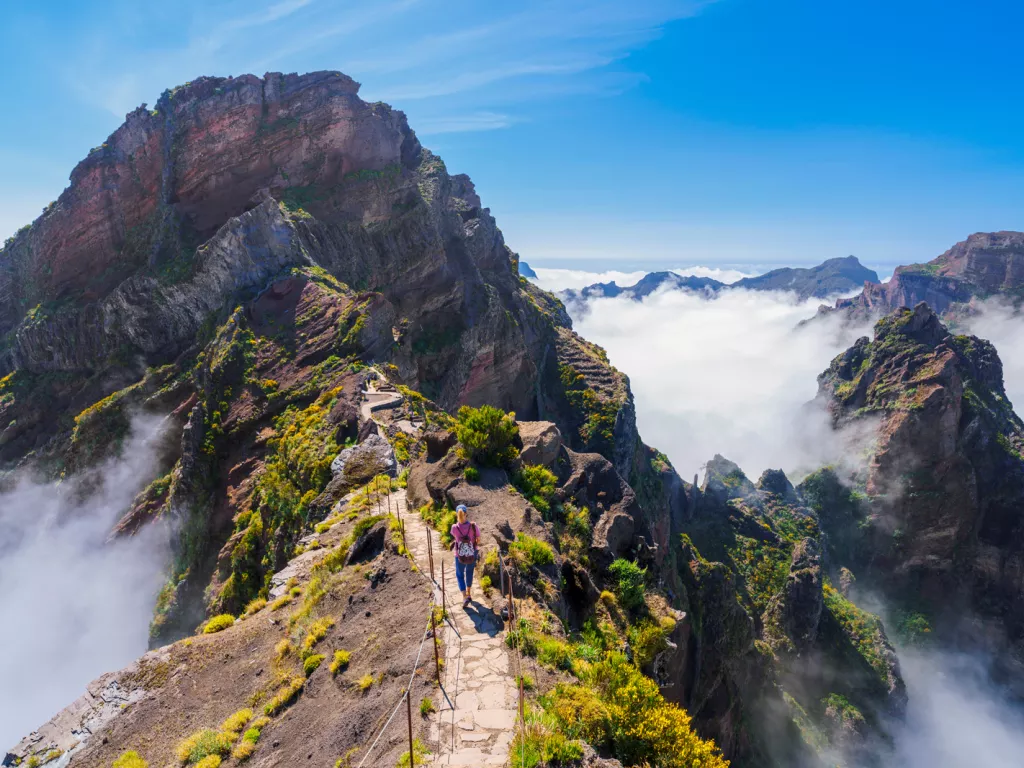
[(477, 705), (477, 731)]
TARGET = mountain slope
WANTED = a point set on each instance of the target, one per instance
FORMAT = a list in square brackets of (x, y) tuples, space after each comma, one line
[(943, 533), (983, 265), (826, 279)]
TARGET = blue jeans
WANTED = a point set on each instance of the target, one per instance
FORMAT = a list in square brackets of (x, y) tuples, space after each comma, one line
[(464, 574)]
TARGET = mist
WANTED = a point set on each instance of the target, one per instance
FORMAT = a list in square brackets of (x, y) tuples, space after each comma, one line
[(956, 716), (997, 322), (72, 605), (732, 375)]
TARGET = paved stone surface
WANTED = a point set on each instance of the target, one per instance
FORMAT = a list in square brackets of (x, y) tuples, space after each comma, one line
[(479, 729), (477, 705)]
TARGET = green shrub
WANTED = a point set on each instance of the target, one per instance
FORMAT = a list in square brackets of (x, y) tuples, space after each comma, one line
[(472, 474), (253, 606), (487, 435), (420, 751), (236, 722), (312, 663), (284, 696), (647, 640), (130, 759), (630, 583), (842, 711), (537, 484), (218, 623), (340, 661), (527, 551), (427, 706), (442, 519), (204, 744), (641, 726), (315, 632), (579, 712), (577, 521), (243, 750)]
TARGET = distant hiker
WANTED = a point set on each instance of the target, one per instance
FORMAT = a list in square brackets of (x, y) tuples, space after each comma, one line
[(467, 539)]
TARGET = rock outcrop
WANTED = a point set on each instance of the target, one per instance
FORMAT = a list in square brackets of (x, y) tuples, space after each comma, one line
[(541, 442), (983, 265), (945, 480), (361, 463)]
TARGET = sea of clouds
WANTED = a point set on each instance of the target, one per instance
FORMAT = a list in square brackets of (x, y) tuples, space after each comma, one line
[(737, 375), (74, 605), (733, 375)]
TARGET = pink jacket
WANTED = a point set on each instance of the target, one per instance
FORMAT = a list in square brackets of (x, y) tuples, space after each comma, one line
[(465, 532)]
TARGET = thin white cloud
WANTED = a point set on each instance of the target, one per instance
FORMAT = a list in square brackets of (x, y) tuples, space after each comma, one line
[(997, 321), (481, 121), (468, 81)]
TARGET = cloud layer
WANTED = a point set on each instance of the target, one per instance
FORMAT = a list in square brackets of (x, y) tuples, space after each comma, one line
[(72, 605), (733, 375)]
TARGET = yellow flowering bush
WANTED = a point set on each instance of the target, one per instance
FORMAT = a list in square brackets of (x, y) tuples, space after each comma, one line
[(624, 708)]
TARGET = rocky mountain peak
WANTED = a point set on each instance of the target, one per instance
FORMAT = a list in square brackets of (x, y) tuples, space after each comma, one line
[(945, 476), (177, 173), (985, 264)]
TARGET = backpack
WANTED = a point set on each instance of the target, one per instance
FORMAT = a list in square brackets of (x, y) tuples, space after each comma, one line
[(466, 551)]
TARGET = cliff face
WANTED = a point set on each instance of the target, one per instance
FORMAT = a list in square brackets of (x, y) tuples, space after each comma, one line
[(171, 177), (983, 265), (200, 203), (945, 481)]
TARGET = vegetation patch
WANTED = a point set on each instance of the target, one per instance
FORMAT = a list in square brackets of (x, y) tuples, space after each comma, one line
[(487, 435), (629, 578), (130, 759), (340, 662), (219, 623), (202, 745), (527, 552), (862, 628), (296, 471), (537, 484)]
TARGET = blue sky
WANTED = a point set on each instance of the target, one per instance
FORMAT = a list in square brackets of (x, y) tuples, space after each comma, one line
[(630, 134)]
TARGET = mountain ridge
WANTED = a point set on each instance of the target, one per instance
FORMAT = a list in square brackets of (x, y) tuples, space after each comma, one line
[(984, 265), (826, 279)]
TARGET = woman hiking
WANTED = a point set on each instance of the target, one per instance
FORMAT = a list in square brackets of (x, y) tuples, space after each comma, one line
[(467, 540)]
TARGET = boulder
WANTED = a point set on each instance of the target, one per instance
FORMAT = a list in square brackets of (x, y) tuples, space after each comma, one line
[(541, 441), (613, 538), (369, 545), (439, 442), (361, 463)]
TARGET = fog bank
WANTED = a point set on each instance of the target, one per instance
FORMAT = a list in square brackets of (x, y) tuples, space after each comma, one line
[(731, 375), (997, 322), (71, 605), (956, 716)]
